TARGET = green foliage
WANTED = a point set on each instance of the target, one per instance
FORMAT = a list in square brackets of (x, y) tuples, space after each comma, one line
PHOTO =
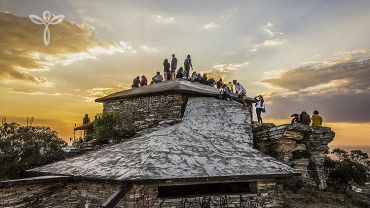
[(350, 168), (26, 147), (107, 128)]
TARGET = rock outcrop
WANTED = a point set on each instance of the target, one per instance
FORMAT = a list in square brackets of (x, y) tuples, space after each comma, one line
[(300, 146)]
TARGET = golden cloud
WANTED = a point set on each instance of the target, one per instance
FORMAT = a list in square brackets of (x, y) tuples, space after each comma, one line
[(23, 51)]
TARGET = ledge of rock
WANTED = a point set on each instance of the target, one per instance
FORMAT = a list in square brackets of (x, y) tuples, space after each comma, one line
[(300, 146)]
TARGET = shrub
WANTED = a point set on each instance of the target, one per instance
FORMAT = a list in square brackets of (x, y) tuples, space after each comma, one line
[(347, 169), (112, 127), (26, 147)]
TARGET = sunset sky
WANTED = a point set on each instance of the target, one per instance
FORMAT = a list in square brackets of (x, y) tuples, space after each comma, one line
[(301, 55)]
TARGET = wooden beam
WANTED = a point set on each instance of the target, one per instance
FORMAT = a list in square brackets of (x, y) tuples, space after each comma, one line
[(113, 200)]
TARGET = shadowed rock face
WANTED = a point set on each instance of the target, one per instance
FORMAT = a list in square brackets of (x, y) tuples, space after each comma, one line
[(214, 139), (300, 146)]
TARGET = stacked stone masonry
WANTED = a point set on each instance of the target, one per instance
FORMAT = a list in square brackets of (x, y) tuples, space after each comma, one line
[(146, 112), (300, 146), (94, 194)]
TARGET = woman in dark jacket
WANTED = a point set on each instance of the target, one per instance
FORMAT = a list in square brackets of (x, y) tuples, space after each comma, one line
[(179, 73), (166, 69)]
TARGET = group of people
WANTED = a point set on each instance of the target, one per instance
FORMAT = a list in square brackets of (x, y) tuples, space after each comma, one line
[(169, 72), (304, 118)]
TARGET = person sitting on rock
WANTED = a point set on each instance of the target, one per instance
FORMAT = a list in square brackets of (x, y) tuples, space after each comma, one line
[(219, 83), (136, 82), (211, 82), (295, 119), (305, 118), (225, 93), (204, 79), (194, 77), (179, 73), (144, 81), (157, 78), (316, 119), (240, 91), (231, 87), (86, 119)]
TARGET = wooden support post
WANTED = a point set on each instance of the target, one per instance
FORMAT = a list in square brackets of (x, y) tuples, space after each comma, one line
[(117, 196)]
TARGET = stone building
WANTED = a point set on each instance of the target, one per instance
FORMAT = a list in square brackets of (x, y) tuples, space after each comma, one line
[(199, 152)]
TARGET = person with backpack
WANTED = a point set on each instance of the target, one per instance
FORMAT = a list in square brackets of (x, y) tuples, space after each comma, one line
[(166, 69), (187, 65), (260, 107), (136, 82), (173, 67), (316, 119)]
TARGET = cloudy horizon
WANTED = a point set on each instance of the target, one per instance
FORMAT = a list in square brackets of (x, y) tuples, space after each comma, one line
[(300, 56)]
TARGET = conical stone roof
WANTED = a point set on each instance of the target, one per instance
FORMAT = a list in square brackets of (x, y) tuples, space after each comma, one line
[(214, 139)]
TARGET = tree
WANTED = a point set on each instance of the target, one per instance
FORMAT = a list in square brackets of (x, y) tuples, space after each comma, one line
[(26, 147), (348, 169)]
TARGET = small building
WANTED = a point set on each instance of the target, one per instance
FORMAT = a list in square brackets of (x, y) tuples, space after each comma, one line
[(203, 157)]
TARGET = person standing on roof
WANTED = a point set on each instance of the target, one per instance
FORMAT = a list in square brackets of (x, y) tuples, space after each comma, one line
[(316, 119), (144, 81), (166, 69), (260, 107), (173, 66), (136, 82), (187, 65)]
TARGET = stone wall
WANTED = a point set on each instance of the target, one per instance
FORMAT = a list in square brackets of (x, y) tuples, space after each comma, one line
[(57, 194), (265, 194), (300, 146), (93, 194), (148, 111)]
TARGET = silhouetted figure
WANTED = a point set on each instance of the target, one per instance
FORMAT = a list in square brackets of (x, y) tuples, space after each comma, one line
[(225, 93), (173, 66), (211, 82), (188, 65), (179, 73), (157, 78), (219, 83), (144, 81), (260, 107), (204, 79), (305, 118), (136, 82), (86, 119), (295, 119), (316, 119), (166, 69)]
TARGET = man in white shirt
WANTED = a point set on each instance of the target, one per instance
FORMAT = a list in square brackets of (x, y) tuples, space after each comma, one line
[(240, 91)]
